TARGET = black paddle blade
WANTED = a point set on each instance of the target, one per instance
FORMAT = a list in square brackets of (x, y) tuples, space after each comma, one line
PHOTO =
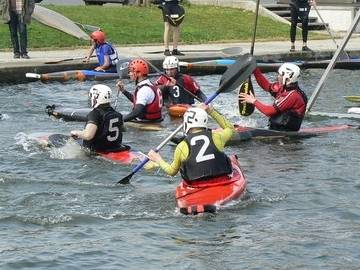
[(246, 109), (122, 68), (58, 140), (237, 73), (126, 179)]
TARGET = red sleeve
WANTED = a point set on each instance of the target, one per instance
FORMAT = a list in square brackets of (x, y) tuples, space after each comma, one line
[(268, 110), (288, 102), (262, 81), (190, 84)]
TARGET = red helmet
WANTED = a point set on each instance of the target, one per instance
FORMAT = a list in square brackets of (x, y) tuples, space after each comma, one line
[(139, 66), (98, 37)]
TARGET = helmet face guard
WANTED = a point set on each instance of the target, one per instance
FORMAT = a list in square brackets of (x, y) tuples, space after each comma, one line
[(289, 73), (99, 94), (171, 62), (195, 118)]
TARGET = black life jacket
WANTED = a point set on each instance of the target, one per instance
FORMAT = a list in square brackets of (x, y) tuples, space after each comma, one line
[(108, 137), (205, 160), (178, 95), (288, 120)]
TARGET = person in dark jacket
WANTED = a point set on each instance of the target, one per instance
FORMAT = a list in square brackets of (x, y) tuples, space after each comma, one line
[(287, 112), (173, 15), (17, 14), (300, 9)]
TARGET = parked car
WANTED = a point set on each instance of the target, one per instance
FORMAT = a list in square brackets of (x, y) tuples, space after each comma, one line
[(101, 2)]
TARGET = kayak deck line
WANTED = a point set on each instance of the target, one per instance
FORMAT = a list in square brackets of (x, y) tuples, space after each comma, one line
[(77, 75)]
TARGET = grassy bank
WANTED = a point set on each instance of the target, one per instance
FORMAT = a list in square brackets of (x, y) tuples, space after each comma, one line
[(126, 25)]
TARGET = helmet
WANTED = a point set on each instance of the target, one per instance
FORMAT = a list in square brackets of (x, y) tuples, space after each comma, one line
[(171, 62), (195, 118), (289, 73), (98, 37), (99, 94), (139, 66)]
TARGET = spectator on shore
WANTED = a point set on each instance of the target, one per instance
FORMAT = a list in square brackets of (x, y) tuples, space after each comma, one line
[(17, 13), (173, 15), (300, 9)]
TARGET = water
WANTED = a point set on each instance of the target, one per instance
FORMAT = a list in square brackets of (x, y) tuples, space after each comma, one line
[(61, 210)]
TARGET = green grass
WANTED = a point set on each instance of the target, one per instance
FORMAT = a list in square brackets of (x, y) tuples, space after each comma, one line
[(125, 25)]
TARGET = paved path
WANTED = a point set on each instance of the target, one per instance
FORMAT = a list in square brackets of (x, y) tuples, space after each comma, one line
[(275, 48), (13, 70)]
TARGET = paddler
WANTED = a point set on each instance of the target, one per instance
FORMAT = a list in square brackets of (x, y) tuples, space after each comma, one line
[(199, 156), (172, 86), (147, 98), (288, 109), (106, 54), (104, 126)]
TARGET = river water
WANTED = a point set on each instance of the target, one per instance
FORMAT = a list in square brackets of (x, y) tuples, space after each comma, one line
[(61, 210)]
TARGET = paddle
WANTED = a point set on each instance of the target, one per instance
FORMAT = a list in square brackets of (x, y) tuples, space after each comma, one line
[(344, 54), (226, 51), (231, 79), (67, 59), (246, 109)]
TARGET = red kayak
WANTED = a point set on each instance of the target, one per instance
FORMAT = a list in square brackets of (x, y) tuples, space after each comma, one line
[(178, 110), (207, 196), (125, 157)]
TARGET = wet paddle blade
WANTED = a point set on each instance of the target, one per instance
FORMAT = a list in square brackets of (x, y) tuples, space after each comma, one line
[(122, 68), (237, 73), (58, 140), (246, 109), (126, 179)]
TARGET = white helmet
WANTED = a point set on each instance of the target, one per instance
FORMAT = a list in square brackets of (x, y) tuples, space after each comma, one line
[(171, 62), (195, 118), (99, 94), (289, 72)]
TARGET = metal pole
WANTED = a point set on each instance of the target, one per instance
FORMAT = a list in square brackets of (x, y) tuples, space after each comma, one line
[(332, 62)]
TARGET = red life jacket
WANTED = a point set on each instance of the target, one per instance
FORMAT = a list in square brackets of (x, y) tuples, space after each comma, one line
[(152, 110)]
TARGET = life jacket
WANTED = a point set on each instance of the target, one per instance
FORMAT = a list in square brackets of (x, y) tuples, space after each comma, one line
[(178, 95), (108, 137), (288, 120), (114, 58), (152, 110), (205, 160)]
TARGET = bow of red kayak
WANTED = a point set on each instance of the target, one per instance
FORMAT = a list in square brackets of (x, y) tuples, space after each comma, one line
[(208, 195)]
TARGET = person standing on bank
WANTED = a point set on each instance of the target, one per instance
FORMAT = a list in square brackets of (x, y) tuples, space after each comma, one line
[(17, 13), (300, 9), (288, 110), (173, 15)]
